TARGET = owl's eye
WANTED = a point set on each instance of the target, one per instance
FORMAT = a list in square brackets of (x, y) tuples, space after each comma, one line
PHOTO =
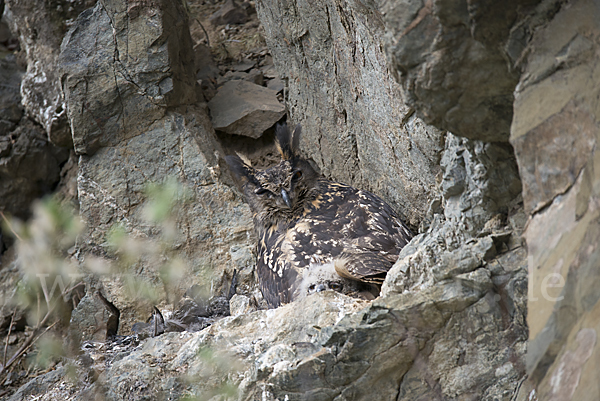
[(297, 175), (261, 191), (335, 286)]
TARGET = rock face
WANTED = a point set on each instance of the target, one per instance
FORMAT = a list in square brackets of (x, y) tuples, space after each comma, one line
[(30, 166), (357, 128), (451, 59), (10, 100), (327, 347), (127, 139), (472, 264), (468, 312), (132, 68), (40, 26), (555, 134)]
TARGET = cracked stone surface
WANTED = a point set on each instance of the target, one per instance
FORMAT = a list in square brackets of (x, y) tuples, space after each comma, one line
[(41, 26), (451, 60), (123, 65), (120, 76), (111, 186), (450, 322), (457, 308), (357, 127), (331, 347), (30, 169), (555, 132), (30, 165)]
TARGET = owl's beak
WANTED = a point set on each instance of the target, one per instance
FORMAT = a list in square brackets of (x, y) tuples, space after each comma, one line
[(321, 287), (286, 198)]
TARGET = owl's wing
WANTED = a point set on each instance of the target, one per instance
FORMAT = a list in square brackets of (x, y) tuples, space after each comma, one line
[(372, 236), (367, 266), (276, 275), (376, 226)]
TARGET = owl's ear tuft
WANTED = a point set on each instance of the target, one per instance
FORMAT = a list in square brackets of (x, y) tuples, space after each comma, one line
[(287, 143), (239, 168)]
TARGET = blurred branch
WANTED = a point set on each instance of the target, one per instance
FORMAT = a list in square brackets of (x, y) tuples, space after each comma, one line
[(10, 227), (12, 319), (34, 335), (28, 342)]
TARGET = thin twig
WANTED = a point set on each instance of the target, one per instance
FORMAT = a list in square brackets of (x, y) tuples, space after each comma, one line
[(7, 336), (32, 339), (38, 337), (39, 309), (29, 341), (68, 290), (205, 33), (10, 227), (24, 351)]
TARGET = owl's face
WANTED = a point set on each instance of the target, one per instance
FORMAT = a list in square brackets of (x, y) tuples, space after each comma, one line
[(285, 186), (279, 192)]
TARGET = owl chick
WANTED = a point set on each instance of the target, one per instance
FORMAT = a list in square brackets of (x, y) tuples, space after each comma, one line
[(303, 220), (317, 277)]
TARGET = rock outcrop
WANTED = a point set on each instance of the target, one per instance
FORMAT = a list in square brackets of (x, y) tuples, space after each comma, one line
[(493, 299), (453, 60), (120, 78), (555, 134), (357, 128), (131, 100), (244, 108), (30, 165), (40, 26)]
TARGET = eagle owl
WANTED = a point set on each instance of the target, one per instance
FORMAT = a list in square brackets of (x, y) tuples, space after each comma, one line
[(315, 234)]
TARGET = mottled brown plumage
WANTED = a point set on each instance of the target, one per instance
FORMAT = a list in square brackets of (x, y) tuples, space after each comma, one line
[(305, 222)]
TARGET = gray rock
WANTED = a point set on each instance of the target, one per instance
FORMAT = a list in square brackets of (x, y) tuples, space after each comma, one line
[(111, 186), (555, 135), (244, 108), (29, 168), (10, 279), (41, 26), (256, 76), (445, 56), (136, 142), (29, 164), (229, 13), (356, 125), (276, 84), (88, 323), (462, 272), (546, 169), (240, 305), (11, 110), (116, 84), (451, 322), (231, 76), (270, 72), (5, 33), (46, 384), (244, 66), (329, 346), (205, 65), (452, 331)]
